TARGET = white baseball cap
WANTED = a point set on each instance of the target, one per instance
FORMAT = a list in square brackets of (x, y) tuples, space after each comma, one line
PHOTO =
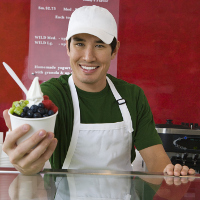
[(93, 20)]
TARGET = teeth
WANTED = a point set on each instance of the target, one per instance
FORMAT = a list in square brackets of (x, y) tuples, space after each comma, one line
[(88, 68)]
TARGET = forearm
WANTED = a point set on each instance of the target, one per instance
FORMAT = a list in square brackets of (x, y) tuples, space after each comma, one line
[(158, 164), (155, 158)]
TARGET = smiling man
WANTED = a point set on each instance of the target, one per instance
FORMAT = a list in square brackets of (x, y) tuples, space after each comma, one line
[(101, 118), (90, 60)]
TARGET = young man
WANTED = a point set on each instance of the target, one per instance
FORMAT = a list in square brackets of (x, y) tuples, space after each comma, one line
[(101, 118)]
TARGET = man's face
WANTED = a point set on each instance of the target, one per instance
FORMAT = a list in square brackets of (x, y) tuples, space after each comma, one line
[(90, 60)]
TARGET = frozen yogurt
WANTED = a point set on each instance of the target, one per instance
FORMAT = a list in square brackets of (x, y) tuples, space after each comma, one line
[(36, 105), (34, 94)]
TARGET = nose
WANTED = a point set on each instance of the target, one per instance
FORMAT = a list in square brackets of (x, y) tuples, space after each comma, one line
[(89, 54)]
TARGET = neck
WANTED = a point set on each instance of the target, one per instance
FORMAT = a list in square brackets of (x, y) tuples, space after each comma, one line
[(90, 87)]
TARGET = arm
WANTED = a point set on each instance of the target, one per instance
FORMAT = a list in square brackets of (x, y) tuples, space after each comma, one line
[(23, 157), (157, 160)]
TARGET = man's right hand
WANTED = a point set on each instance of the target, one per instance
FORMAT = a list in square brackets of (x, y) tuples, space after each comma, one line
[(24, 157)]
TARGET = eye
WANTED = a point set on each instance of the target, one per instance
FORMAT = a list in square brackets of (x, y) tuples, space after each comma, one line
[(79, 44), (99, 46)]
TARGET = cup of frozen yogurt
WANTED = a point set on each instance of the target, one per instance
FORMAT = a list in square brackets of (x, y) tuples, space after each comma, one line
[(47, 123), (37, 110)]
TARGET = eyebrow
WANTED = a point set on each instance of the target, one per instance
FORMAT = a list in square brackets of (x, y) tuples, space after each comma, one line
[(78, 39)]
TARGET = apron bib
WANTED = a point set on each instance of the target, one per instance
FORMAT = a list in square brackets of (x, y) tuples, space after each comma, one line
[(100, 146)]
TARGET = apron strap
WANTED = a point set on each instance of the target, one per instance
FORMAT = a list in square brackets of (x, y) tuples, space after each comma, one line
[(76, 128), (122, 105)]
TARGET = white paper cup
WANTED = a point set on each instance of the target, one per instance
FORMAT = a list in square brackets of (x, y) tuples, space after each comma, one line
[(46, 123)]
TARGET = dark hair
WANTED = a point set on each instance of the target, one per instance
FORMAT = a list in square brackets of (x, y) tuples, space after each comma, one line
[(113, 44)]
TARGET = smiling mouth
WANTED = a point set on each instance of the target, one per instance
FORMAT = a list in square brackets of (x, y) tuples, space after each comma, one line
[(88, 68)]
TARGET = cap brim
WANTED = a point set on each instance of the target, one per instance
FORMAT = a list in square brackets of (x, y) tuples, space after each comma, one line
[(104, 36)]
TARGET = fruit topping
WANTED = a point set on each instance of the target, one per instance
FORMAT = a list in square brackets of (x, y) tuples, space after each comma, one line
[(45, 97), (18, 106), (44, 109), (50, 112), (49, 104)]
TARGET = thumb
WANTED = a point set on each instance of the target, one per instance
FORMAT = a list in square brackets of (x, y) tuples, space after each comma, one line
[(7, 119)]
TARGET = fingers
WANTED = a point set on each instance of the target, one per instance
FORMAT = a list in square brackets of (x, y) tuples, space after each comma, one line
[(49, 151), (191, 171), (26, 146), (178, 170), (169, 169), (42, 152), (7, 119), (34, 162), (47, 154), (183, 170), (31, 164), (13, 136)]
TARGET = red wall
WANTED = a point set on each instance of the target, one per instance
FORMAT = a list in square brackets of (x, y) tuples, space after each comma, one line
[(160, 52)]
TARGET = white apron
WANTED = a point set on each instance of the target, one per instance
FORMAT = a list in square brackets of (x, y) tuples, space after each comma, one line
[(100, 146)]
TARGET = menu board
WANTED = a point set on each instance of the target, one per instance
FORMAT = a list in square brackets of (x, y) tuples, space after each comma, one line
[(48, 29)]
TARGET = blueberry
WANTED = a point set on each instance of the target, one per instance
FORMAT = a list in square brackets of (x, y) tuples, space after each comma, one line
[(37, 115), (23, 114), (46, 111), (41, 111), (34, 108), (50, 112), (30, 114), (25, 109), (16, 115), (41, 105), (45, 115)]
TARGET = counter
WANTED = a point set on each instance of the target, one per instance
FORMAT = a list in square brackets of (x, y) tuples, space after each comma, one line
[(97, 185)]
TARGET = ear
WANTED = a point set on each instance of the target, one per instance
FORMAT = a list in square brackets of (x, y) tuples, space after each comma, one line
[(67, 47), (115, 51)]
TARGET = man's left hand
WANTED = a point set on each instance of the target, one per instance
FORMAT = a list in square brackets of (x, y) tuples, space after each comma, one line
[(178, 170)]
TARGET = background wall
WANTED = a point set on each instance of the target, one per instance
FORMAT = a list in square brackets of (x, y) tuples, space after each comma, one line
[(160, 52)]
